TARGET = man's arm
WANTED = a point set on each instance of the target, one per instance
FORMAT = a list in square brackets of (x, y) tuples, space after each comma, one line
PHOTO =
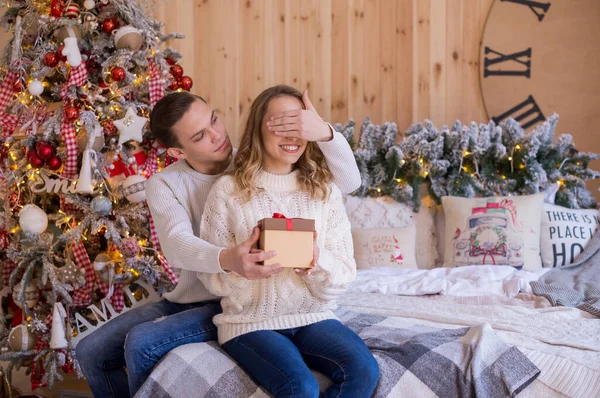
[(185, 250), (306, 124), (177, 240)]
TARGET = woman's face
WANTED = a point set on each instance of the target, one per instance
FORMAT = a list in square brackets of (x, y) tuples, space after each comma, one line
[(280, 153)]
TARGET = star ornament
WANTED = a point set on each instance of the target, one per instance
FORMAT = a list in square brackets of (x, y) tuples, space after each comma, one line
[(130, 127)]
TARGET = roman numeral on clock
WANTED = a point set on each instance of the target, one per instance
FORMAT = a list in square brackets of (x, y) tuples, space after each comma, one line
[(523, 111), (526, 54), (534, 5)]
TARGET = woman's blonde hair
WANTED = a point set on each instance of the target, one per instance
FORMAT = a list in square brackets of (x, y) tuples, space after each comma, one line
[(313, 173)]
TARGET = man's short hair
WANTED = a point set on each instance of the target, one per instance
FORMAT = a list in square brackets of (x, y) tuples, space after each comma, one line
[(167, 112)]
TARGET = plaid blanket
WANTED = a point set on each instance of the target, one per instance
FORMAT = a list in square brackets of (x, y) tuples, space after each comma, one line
[(414, 361)]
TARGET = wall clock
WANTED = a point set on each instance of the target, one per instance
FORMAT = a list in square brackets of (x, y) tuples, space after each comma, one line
[(540, 57)]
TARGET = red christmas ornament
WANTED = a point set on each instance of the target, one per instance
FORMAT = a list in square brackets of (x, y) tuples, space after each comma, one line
[(108, 25), (54, 163), (4, 240), (177, 71), (71, 112), (109, 128), (56, 8), (117, 74), (35, 161), (18, 86), (68, 367), (44, 150), (186, 83), (31, 153), (174, 85), (60, 55), (51, 59), (170, 61)]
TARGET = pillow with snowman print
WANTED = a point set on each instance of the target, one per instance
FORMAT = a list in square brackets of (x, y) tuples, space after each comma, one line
[(385, 247), (493, 231)]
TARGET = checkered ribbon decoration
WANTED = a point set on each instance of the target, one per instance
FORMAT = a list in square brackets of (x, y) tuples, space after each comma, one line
[(151, 166), (163, 260), (8, 122), (116, 299), (7, 268), (155, 85), (83, 295), (77, 77)]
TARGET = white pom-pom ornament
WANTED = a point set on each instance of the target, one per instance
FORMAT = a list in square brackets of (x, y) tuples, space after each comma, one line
[(33, 219), (35, 88)]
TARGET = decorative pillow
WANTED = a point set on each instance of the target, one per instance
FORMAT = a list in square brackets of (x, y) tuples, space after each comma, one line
[(385, 247), (496, 231), (385, 212), (565, 233)]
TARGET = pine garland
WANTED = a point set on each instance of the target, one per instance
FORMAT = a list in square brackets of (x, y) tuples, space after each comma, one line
[(470, 160)]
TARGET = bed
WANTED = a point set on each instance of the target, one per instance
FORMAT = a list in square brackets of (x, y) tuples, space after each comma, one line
[(471, 318)]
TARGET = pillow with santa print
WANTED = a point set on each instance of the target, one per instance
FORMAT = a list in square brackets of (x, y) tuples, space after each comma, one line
[(565, 233), (385, 247)]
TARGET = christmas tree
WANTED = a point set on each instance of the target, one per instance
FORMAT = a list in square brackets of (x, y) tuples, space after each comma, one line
[(470, 160), (78, 81)]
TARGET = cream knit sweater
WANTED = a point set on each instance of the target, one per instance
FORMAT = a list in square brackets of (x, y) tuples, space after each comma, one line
[(176, 198), (286, 300)]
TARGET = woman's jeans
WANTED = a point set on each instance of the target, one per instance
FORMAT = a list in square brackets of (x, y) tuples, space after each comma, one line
[(138, 339), (280, 360)]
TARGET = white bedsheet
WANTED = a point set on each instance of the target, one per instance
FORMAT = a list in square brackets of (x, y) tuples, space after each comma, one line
[(481, 280)]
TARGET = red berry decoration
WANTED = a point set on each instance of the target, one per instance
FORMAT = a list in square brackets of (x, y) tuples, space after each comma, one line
[(170, 61), (60, 55), (177, 71), (36, 162), (54, 163), (186, 83), (117, 74), (44, 150), (51, 60), (108, 25), (71, 112)]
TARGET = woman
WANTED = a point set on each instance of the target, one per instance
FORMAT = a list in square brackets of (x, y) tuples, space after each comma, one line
[(278, 328)]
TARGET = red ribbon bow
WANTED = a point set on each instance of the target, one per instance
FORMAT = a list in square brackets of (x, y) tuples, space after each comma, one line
[(288, 225)]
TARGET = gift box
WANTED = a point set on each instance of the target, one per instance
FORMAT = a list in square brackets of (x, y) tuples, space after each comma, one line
[(291, 238)]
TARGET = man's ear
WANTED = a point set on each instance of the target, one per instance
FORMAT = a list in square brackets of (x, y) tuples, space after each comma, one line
[(176, 153)]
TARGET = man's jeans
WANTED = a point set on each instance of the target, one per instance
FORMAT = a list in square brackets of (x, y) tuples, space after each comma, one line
[(280, 360), (138, 339)]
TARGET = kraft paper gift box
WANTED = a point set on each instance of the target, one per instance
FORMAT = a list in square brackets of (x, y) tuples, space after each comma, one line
[(291, 238)]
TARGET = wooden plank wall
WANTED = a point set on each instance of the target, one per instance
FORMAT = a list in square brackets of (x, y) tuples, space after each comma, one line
[(392, 60)]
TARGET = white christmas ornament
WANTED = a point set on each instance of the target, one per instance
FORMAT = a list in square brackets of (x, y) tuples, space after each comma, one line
[(71, 51), (128, 37), (130, 127), (58, 338), (33, 219), (134, 188), (89, 4), (35, 88)]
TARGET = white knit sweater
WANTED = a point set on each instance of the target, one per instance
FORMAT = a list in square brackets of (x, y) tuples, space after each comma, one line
[(176, 198), (286, 300)]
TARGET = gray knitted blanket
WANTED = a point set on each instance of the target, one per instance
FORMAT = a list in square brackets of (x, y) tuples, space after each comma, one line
[(576, 284)]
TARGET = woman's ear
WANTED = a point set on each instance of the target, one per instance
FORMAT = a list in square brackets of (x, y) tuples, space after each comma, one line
[(176, 153)]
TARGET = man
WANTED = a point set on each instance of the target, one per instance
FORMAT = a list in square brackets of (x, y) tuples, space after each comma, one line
[(193, 133)]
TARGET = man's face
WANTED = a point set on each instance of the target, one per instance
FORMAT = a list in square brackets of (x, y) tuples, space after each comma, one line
[(202, 137)]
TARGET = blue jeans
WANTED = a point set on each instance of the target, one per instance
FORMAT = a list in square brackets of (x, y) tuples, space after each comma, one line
[(279, 360), (138, 339)]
